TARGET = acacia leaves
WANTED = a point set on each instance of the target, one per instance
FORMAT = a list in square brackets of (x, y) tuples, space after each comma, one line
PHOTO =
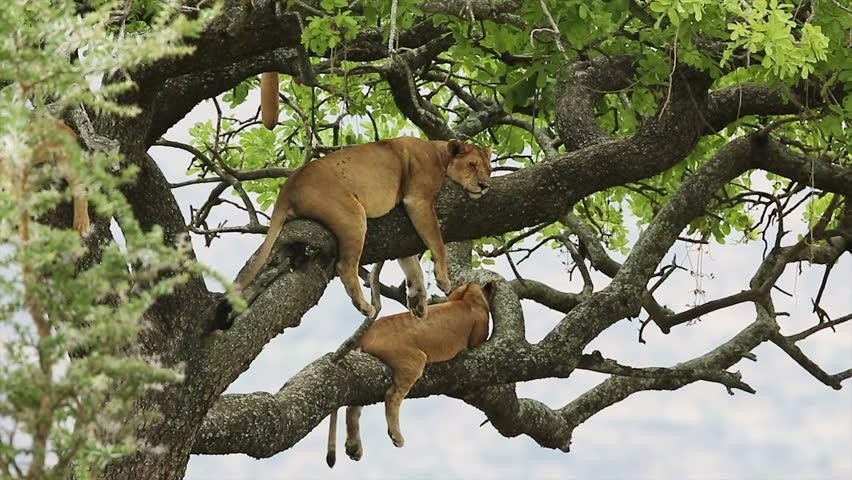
[(767, 29), (504, 62)]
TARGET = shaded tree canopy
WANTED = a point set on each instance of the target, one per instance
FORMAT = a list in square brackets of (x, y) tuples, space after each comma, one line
[(619, 129)]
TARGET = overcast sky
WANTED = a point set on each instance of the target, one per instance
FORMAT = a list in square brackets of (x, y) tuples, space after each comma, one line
[(794, 427)]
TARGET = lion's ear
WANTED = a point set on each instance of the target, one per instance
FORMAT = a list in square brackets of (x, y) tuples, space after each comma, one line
[(454, 147)]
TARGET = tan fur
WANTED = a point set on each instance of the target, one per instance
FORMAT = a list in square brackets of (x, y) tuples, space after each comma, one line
[(344, 188), (407, 345), (55, 150), (269, 99)]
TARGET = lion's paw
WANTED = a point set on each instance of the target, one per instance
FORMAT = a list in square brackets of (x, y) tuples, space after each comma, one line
[(354, 451), (366, 309), (444, 284), (397, 439), (417, 306)]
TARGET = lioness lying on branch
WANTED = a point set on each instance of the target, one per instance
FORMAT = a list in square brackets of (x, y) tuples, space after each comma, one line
[(406, 345), (345, 188)]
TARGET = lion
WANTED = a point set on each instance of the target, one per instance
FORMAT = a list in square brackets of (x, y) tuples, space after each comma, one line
[(56, 149), (407, 345), (343, 189), (81, 221)]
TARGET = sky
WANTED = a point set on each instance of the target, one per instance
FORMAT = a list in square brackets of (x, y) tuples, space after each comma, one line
[(794, 427)]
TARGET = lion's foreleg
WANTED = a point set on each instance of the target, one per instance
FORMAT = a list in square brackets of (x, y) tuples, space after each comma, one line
[(422, 215), (416, 290)]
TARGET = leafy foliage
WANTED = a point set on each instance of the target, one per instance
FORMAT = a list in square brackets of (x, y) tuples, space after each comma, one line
[(72, 368), (771, 43)]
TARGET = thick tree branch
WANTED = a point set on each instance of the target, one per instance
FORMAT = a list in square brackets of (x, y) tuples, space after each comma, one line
[(244, 28), (513, 416), (178, 95), (546, 295), (730, 104), (815, 172), (597, 363), (409, 101), (152, 201), (501, 11), (577, 95), (249, 28)]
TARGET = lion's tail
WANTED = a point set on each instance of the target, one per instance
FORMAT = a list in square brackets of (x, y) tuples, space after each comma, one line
[(279, 216), (331, 454), (269, 99)]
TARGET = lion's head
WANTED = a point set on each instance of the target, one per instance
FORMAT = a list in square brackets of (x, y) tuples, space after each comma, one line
[(470, 166)]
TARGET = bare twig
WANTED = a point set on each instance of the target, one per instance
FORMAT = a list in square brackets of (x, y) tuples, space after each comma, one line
[(670, 321), (579, 261), (809, 365), (820, 326), (553, 29), (508, 245), (222, 172), (271, 172)]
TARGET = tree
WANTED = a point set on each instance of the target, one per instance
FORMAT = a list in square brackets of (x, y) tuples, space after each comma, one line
[(705, 121)]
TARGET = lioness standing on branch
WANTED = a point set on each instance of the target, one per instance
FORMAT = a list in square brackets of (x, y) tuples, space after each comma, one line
[(345, 188), (407, 345)]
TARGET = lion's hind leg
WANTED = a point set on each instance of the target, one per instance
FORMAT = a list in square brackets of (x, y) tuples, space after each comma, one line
[(407, 368), (348, 221)]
